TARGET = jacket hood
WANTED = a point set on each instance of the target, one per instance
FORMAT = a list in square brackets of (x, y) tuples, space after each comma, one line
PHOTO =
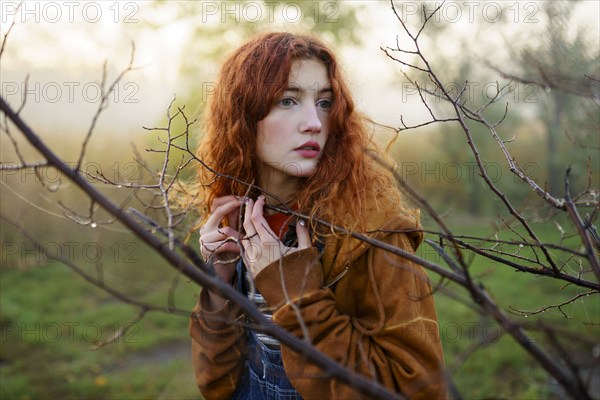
[(341, 251)]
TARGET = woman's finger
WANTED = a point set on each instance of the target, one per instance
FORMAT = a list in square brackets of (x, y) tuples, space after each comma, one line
[(209, 247), (252, 243), (223, 231), (248, 224), (224, 239), (228, 231), (303, 235), (260, 223), (219, 213), (232, 216), (220, 234), (219, 201), (226, 246)]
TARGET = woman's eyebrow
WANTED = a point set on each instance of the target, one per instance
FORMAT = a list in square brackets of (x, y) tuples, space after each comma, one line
[(299, 90)]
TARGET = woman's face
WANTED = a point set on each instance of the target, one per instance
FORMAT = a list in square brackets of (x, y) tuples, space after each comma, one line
[(291, 138)]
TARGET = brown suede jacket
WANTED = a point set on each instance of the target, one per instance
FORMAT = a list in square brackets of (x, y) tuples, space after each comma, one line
[(377, 318)]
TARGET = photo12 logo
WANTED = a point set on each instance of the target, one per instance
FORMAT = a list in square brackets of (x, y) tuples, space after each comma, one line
[(70, 92), (465, 171), (472, 91), (55, 251), (257, 11), (69, 11), (470, 11), (69, 332), (118, 173)]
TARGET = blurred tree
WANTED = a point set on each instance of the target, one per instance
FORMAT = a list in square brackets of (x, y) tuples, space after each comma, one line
[(216, 28), (553, 73), (561, 62)]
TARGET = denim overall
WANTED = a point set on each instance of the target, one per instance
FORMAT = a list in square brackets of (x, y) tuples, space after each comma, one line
[(264, 376)]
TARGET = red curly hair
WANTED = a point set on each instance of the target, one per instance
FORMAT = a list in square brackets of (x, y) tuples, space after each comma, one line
[(347, 186)]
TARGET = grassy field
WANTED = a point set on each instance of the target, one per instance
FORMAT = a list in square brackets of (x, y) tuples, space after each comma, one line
[(51, 320), (484, 360)]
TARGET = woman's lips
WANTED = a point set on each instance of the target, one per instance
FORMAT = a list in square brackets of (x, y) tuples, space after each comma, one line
[(307, 153), (309, 149)]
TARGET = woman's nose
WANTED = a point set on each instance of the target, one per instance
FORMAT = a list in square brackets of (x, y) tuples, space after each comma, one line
[(311, 123)]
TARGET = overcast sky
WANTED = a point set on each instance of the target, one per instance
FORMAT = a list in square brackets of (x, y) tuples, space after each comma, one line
[(63, 45)]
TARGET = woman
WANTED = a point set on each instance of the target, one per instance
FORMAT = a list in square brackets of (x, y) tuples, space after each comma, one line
[(283, 119)]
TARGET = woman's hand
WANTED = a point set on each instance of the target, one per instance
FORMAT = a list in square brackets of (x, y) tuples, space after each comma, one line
[(220, 244), (261, 245)]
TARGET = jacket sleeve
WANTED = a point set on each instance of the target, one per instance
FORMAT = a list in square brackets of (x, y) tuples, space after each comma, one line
[(218, 348), (378, 321)]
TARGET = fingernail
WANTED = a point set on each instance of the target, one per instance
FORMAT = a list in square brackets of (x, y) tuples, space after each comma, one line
[(302, 223)]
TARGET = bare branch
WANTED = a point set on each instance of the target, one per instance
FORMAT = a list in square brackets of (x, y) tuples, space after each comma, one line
[(104, 102), (200, 273), (98, 282), (553, 306)]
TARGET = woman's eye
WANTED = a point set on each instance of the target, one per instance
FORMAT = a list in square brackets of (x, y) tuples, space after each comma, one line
[(287, 101), (324, 103)]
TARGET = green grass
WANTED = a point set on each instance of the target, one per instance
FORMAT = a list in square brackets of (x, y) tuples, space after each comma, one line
[(51, 320), (153, 361), (484, 360)]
